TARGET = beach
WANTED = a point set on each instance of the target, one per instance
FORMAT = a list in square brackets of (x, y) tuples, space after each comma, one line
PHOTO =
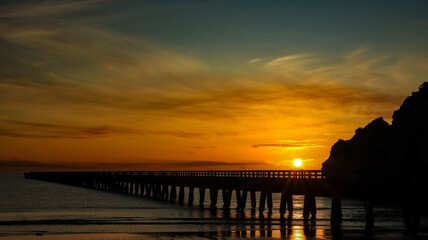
[(31, 209)]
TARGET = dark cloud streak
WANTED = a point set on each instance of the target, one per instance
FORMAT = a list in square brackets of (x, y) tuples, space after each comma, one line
[(28, 129), (49, 130), (284, 145), (17, 165)]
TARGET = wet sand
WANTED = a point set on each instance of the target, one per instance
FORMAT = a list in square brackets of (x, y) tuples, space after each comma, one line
[(276, 234)]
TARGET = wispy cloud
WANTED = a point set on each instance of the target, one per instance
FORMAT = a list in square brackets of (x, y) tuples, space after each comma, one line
[(363, 67), (45, 8), (296, 59), (255, 60)]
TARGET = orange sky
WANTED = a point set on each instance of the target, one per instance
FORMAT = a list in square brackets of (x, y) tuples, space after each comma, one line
[(85, 88)]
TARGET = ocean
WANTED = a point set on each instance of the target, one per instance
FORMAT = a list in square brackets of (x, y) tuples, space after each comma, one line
[(31, 209)]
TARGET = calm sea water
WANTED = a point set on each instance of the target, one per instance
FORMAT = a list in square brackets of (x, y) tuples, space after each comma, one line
[(31, 209)]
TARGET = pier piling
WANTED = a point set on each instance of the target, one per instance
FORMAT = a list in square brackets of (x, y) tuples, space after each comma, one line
[(173, 194), (191, 196), (309, 206), (262, 201), (227, 197), (201, 197), (336, 211), (253, 200), (213, 197)]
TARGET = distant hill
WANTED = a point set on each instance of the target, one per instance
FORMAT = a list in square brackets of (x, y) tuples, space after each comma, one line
[(379, 148)]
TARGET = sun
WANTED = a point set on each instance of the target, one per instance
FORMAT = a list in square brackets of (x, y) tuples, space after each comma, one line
[(297, 162)]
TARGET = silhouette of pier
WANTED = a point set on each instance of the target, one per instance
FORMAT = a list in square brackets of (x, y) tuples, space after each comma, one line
[(170, 185), (180, 186)]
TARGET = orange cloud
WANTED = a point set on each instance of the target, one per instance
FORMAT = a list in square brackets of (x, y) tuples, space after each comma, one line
[(159, 103)]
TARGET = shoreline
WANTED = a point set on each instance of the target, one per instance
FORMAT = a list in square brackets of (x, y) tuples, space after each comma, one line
[(257, 234)]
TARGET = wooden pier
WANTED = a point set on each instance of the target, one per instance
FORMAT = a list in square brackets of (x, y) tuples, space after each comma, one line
[(170, 185), (180, 186)]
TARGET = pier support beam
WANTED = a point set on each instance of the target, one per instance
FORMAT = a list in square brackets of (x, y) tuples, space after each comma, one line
[(262, 201), (125, 188), (142, 187), (369, 205), (309, 206), (286, 200), (137, 189), (191, 196), (121, 186), (154, 191), (269, 201), (242, 200), (131, 188), (148, 190), (336, 211), (181, 195), (290, 205), (282, 205), (238, 198), (161, 192), (173, 194), (201, 197), (213, 196), (227, 196), (164, 194), (117, 186), (412, 215), (112, 186), (158, 190), (253, 200)]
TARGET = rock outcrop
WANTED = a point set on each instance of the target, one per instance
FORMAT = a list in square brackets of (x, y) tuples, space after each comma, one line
[(379, 148)]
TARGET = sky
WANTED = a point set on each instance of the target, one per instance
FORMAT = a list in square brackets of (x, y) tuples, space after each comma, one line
[(199, 85)]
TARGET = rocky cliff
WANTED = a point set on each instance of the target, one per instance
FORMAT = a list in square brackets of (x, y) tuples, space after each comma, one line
[(379, 148)]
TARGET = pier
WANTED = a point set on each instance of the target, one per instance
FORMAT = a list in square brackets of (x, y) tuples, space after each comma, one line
[(180, 187)]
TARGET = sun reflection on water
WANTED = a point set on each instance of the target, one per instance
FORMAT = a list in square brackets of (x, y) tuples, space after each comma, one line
[(298, 233)]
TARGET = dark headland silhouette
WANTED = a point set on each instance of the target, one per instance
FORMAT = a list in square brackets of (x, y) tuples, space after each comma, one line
[(387, 162)]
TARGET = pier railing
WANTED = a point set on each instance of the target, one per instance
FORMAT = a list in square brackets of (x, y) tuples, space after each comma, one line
[(312, 174)]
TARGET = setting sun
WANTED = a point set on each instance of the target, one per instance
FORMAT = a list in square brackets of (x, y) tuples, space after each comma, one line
[(297, 162)]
